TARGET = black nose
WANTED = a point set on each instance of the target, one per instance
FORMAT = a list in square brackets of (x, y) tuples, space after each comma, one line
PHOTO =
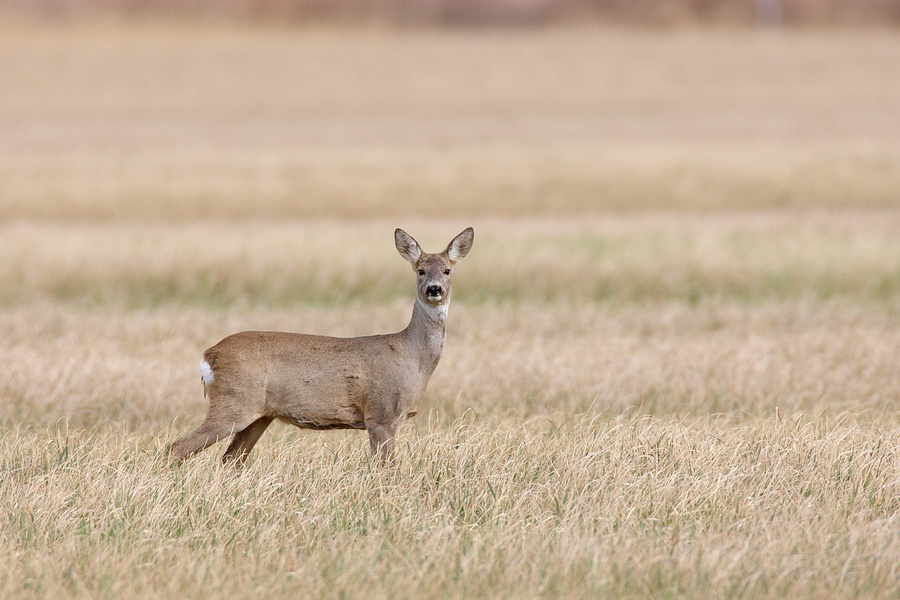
[(433, 290)]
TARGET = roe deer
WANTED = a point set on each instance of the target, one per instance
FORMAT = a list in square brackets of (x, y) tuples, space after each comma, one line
[(318, 382)]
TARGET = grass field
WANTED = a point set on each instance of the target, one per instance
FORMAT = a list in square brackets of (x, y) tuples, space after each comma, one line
[(672, 357)]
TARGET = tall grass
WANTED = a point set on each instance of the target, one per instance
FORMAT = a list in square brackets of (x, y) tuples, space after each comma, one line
[(627, 507), (671, 364), (684, 441)]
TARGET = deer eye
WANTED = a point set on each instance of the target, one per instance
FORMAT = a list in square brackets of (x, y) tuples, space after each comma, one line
[(446, 271), (421, 272)]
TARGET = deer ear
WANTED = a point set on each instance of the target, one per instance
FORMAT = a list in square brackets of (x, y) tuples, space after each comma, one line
[(407, 246), (461, 244)]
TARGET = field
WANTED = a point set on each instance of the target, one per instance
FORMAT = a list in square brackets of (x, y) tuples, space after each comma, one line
[(672, 357)]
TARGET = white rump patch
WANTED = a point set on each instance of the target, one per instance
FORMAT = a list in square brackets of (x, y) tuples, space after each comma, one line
[(206, 372)]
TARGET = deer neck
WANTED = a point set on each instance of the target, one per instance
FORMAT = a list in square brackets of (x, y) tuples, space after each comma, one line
[(426, 332)]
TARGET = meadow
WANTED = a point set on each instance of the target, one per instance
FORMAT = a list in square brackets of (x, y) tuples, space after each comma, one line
[(672, 358)]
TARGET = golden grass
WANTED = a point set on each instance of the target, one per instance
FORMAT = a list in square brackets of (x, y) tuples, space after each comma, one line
[(629, 508), (695, 353), (671, 367), (685, 441)]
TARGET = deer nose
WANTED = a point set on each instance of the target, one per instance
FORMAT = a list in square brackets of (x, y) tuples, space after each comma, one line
[(434, 290)]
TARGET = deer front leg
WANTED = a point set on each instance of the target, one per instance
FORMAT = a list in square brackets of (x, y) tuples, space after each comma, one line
[(381, 441), (244, 441)]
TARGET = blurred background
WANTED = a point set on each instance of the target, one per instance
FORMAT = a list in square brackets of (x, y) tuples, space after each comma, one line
[(663, 173), (194, 155), (361, 109), (488, 12)]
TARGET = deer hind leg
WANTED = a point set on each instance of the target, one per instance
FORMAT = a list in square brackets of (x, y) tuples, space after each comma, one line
[(244, 440), (201, 438), (227, 414)]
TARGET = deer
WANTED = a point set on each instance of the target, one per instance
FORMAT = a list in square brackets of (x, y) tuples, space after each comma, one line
[(373, 382)]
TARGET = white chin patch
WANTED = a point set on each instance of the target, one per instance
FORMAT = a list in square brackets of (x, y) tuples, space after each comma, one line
[(435, 299), (206, 372)]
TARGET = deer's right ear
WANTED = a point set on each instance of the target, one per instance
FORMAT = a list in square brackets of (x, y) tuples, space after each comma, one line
[(407, 246)]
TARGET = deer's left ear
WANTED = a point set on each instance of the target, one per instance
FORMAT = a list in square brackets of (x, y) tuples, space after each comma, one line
[(461, 244)]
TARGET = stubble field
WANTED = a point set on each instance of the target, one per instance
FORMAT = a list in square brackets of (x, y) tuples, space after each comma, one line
[(672, 357)]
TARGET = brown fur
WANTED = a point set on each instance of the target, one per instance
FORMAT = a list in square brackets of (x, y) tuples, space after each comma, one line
[(318, 382)]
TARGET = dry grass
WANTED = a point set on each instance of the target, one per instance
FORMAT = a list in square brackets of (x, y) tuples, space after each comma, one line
[(176, 123), (689, 441), (627, 508), (138, 368), (671, 363)]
